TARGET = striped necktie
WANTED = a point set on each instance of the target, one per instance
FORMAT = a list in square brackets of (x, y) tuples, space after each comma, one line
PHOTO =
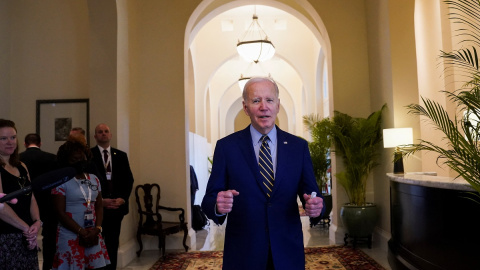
[(266, 165)]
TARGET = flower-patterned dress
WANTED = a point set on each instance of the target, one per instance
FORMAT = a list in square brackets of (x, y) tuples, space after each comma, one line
[(69, 254)]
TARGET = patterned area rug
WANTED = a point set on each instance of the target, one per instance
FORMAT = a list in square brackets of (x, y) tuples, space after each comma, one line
[(330, 257)]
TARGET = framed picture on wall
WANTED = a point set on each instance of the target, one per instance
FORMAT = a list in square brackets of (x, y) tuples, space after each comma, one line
[(56, 117)]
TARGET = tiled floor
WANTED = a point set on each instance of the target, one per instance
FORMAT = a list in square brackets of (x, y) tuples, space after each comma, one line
[(319, 237)]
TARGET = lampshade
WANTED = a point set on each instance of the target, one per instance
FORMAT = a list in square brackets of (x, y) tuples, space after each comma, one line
[(393, 137), (254, 45)]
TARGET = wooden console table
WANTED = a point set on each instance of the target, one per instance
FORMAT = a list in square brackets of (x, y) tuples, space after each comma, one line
[(433, 223)]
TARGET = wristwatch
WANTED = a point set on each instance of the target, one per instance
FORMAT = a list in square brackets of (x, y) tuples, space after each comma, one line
[(41, 223), (100, 228)]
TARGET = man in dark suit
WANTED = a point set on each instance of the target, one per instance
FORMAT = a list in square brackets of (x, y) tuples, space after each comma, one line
[(264, 229), (39, 162), (116, 179)]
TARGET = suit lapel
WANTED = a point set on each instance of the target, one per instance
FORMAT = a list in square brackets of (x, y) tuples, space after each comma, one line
[(113, 153), (282, 159), (98, 160), (246, 147)]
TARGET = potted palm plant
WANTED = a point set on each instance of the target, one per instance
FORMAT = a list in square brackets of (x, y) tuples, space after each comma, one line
[(357, 142), (461, 133), (320, 153)]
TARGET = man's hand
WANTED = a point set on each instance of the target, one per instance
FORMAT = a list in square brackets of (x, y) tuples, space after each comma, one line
[(225, 201), (313, 206), (113, 203)]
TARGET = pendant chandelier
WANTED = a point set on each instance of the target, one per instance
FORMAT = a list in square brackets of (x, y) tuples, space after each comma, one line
[(254, 69), (254, 45), (242, 81)]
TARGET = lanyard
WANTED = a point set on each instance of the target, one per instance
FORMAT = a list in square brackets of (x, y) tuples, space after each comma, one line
[(108, 162), (89, 199)]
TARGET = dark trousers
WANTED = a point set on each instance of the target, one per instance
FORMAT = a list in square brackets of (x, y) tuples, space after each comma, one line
[(270, 260), (112, 223), (49, 245)]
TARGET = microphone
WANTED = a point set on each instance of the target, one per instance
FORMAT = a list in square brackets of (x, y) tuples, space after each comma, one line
[(43, 182)]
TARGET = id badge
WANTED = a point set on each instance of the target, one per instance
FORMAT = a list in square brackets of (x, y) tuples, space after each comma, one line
[(88, 219), (109, 176)]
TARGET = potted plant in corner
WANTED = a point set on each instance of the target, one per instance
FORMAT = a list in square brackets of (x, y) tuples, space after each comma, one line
[(320, 153), (461, 132), (357, 142)]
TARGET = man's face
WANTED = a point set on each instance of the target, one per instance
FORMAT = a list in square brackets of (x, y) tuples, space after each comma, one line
[(262, 105), (102, 134)]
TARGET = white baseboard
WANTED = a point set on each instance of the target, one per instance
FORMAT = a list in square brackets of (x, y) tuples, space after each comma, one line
[(127, 252), (336, 235), (381, 238)]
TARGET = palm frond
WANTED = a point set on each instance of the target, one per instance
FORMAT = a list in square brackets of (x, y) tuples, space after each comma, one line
[(356, 141)]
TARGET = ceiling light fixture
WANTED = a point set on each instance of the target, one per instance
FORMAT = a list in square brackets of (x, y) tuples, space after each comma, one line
[(254, 45), (242, 81), (253, 70)]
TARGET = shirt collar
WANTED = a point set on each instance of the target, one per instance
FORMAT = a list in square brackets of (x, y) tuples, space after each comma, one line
[(256, 136), (101, 149)]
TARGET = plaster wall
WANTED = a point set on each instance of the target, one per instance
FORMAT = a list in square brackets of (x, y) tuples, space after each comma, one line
[(5, 21), (429, 43), (51, 52), (47, 60), (346, 24)]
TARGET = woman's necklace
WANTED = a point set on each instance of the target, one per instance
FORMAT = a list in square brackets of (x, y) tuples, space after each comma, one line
[(22, 180)]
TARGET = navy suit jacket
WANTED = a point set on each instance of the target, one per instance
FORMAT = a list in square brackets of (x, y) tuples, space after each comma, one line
[(256, 221), (122, 177), (39, 162)]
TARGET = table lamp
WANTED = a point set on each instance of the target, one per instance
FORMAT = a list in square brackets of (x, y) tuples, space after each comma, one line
[(395, 138)]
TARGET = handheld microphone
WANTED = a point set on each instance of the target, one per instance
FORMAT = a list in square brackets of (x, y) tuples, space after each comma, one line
[(43, 182)]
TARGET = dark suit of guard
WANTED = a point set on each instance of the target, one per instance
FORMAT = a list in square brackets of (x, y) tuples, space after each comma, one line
[(39, 162), (121, 187), (257, 223)]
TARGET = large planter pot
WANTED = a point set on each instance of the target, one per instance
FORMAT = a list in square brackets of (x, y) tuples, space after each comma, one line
[(359, 222)]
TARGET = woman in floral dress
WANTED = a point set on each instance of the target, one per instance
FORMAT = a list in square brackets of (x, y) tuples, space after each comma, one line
[(78, 203)]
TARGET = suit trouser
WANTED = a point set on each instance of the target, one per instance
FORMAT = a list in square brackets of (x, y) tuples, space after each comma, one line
[(49, 245), (270, 260), (112, 223)]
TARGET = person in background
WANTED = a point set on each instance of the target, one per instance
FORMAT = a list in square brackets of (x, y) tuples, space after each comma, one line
[(116, 179), (76, 130), (79, 207), (19, 222), (79, 133), (39, 162), (257, 175)]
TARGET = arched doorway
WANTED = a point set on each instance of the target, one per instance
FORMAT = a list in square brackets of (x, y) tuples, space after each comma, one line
[(301, 67)]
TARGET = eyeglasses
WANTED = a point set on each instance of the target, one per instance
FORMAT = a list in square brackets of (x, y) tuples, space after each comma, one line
[(90, 185)]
